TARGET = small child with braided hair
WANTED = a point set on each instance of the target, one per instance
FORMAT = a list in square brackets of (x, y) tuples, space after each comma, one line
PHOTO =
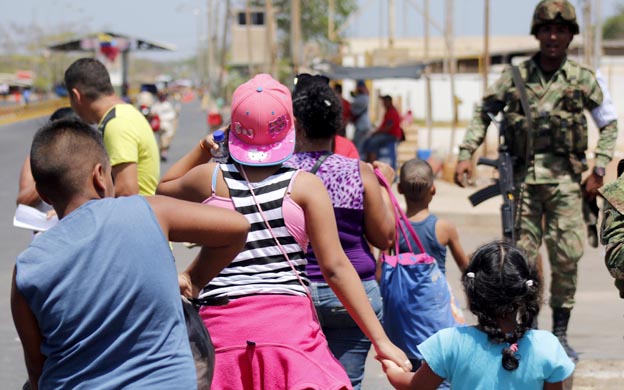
[(502, 351)]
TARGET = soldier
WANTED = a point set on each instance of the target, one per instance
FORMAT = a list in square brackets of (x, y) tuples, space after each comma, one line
[(550, 153)]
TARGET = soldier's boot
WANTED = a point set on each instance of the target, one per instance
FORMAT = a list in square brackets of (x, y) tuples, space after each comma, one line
[(561, 317)]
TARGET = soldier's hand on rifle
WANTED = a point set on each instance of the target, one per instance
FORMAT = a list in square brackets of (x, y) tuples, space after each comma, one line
[(463, 173)]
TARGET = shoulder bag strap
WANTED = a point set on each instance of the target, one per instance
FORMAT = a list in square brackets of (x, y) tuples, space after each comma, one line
[(524, 100), (268, 225)]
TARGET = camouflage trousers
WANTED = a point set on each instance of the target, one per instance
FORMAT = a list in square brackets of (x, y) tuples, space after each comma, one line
[(553, 212)]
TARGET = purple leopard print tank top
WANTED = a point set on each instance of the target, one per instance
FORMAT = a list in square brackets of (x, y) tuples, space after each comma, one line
[(342, 179)]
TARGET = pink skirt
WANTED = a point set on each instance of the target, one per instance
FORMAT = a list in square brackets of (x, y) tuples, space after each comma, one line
[(271, 342)]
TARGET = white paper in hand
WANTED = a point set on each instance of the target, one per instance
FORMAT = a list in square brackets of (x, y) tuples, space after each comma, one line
[(30, 218)]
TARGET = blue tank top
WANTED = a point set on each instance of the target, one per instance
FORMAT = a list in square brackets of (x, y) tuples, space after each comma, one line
[(426, 232), (103, 286)]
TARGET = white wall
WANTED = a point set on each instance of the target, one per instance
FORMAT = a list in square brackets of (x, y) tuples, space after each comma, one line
[(469, 89)]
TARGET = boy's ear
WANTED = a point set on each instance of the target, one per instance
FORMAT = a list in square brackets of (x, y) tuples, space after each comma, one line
[(433, 189), (76, 94), (98, 175)]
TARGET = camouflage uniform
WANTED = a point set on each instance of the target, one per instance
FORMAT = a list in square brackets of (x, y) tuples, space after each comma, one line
[(550, 181), (612, 231)]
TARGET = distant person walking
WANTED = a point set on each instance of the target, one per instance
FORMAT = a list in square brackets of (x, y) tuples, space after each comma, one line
[(128, 137), (346, 110), (168, 116), (359, 115)]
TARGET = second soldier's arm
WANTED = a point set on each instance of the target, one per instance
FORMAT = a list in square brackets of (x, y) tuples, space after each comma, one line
[(612, 232)]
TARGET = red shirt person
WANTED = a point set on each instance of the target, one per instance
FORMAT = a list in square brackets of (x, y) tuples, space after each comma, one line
[(389, 131), (391, 123)]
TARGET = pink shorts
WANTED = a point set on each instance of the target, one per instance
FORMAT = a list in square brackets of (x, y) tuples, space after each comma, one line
[(271, 342)]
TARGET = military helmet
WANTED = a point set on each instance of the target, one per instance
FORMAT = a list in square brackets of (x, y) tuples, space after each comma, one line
[(554, 11)]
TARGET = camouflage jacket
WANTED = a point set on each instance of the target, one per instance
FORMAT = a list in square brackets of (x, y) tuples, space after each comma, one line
[(557, 106), (612, 230)]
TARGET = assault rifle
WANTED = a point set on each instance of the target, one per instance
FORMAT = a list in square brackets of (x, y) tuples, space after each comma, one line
[(504, 185)]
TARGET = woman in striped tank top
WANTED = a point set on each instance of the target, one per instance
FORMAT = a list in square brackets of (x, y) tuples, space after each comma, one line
[(257, 309)]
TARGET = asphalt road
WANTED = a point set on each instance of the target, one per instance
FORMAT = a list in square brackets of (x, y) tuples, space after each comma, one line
[(597, 324)]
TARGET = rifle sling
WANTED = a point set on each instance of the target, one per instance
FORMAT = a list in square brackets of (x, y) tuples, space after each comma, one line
[(524, 100)]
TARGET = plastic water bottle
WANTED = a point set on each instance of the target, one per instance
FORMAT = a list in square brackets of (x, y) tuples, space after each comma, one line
[(220, 155)]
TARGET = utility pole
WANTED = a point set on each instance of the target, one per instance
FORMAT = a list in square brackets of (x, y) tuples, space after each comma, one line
[(200, 52), (597, 33), (331, 27), (452, 68), (428, 114), (226, 26), (210, 31), (587, 33), (295, 34), (270, 29), (250, 67), (391, 24), (486, 54)]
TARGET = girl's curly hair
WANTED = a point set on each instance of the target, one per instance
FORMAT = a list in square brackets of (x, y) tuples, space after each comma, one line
[(319, 111)]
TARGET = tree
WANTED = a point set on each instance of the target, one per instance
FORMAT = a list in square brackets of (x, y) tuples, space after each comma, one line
[(613, 27), (314, 20)]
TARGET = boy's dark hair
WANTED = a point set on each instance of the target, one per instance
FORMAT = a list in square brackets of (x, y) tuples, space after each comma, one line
[(415, 179), (90, 77), (319, 111), (63, 112), (62, 154), (499, 282)]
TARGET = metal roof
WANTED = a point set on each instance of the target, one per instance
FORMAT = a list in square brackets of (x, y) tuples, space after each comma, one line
[(90, 42)]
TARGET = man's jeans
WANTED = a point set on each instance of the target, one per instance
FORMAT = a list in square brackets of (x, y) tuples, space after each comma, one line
[(376, 141), (346, 341)]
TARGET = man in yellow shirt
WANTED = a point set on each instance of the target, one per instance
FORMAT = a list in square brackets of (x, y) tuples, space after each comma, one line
[(128, 137)]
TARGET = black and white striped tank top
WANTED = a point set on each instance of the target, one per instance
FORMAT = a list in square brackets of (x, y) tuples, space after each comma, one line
[(260, 267)]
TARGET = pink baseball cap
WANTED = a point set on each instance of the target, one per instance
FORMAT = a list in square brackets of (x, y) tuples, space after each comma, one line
[(262, 130)]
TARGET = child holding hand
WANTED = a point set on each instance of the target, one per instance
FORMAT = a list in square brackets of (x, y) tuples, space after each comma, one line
[(501, 351)]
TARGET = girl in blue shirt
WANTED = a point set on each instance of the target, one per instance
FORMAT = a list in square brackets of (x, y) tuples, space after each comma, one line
[(502, 351)]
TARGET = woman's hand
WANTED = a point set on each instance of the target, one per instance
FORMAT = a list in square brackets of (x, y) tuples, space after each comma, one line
[(186, 287), (386, 169), (388, 351), (208, 143)]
